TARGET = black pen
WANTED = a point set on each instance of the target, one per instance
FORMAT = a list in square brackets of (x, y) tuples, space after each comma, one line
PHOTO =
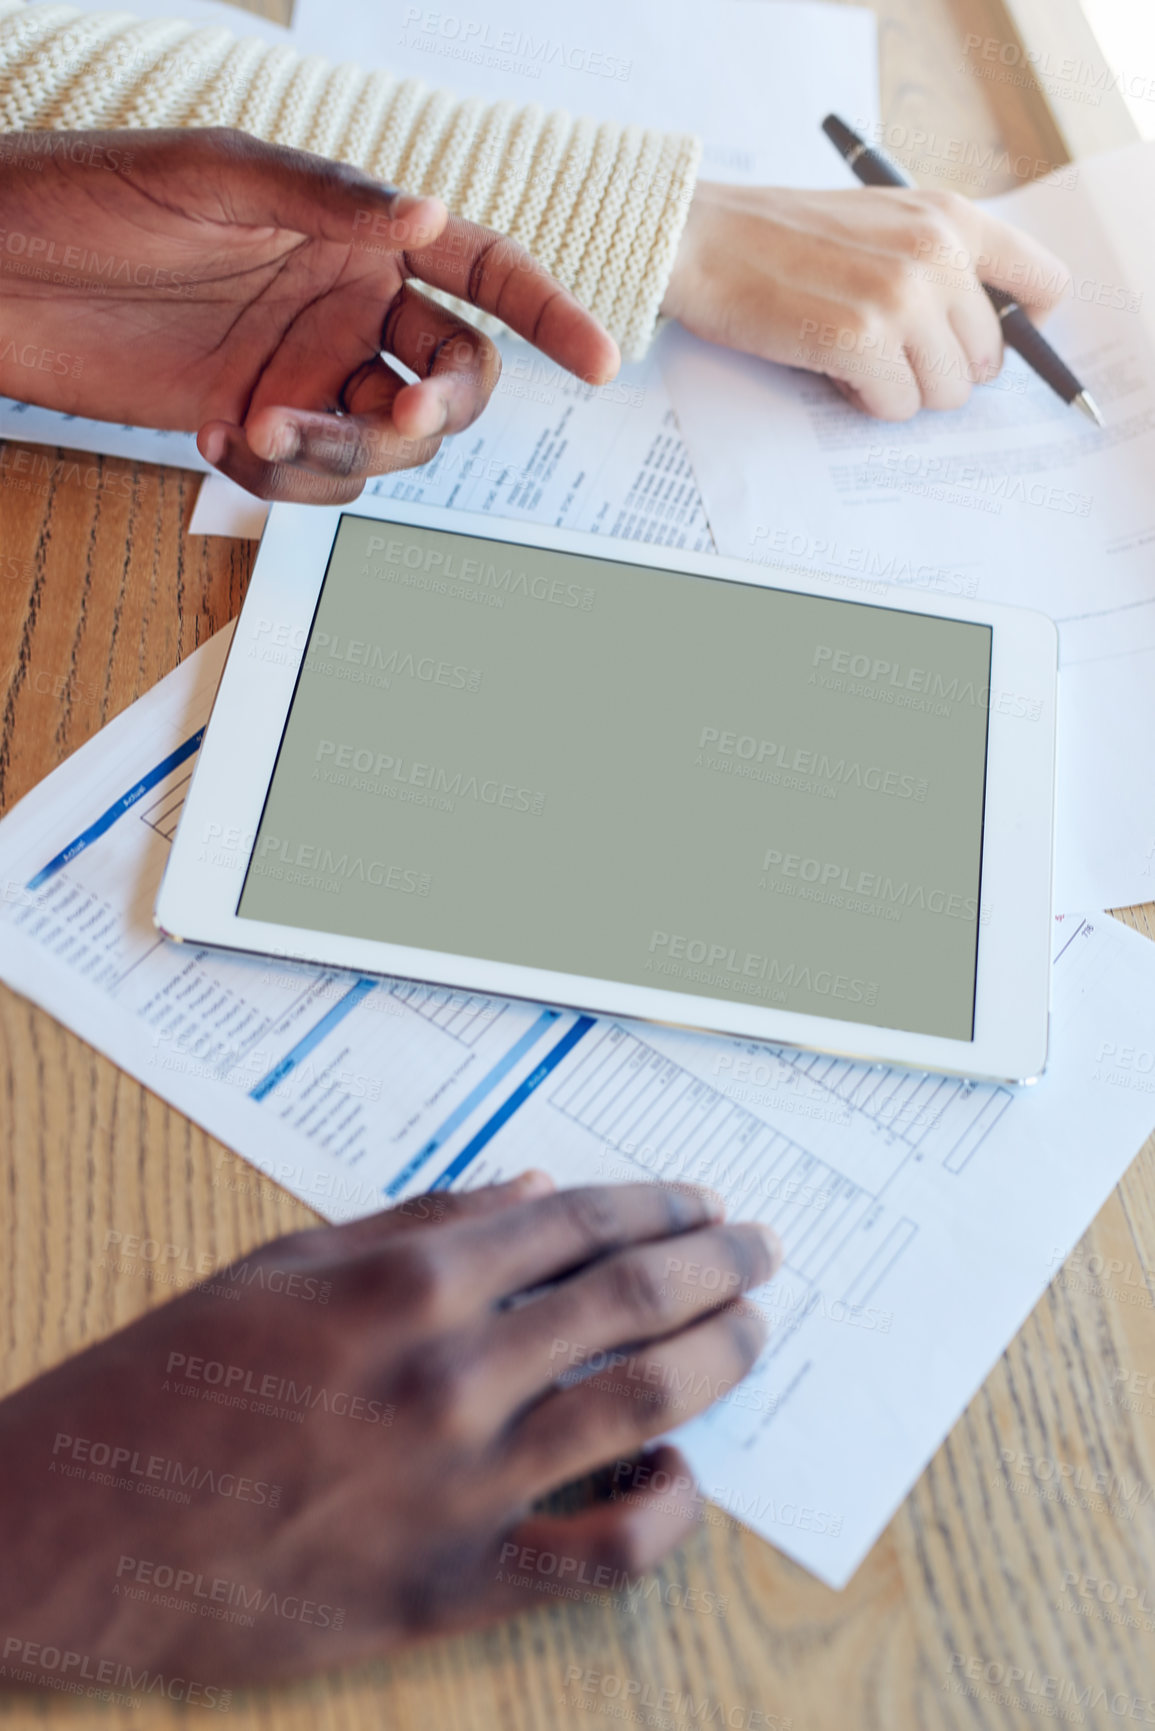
[(874, 168)]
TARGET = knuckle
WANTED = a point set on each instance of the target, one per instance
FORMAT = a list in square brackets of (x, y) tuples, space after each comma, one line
[(634, 1288), (862, 328), (443, 1382), (928, 230), (228, 138), (745, 1255), (663, 1406), (400, 303), (479, 270), (467, 352), (342, 175), (859, 325), (484, 360), (422, 1275), (895, 405), (593, 1215), (309, 1244), (268, 485), (748, 1331), (624, 1549), (339, 449), (892, 296), (460, 349), (682, 1205), (555, 1427), (361, 454), (945, 213), (375, 448), (429, 1205), (496, 260), (952, 394)]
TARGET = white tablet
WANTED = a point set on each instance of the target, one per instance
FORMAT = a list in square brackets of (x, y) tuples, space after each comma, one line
[(626, 779)]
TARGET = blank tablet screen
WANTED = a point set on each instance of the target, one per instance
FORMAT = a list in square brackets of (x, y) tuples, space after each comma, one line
[(634, 774)]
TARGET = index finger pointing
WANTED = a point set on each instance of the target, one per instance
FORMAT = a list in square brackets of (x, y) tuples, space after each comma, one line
[(242, 179), (498, 276)]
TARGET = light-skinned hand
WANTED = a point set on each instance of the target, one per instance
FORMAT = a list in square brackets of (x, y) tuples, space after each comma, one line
[(878, 287)]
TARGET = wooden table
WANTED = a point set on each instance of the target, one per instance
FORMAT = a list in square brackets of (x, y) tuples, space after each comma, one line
[(101, 593)]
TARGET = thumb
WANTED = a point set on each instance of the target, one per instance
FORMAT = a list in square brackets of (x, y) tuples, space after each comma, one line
[(264, 184)]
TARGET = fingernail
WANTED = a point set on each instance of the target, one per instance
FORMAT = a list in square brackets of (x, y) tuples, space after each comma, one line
[(212, 446), (433, 412), (285, 443), (534, 1182), (405, 203), (416, 234)]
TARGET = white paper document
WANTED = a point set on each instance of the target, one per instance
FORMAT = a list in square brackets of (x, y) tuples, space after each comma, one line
[(552, 450), (223, 508), (1013, 498), (37, 426), (921, 1216), (548, 449), (752, 81)]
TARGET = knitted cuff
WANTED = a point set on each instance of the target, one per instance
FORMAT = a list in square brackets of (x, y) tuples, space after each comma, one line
[(601, 206)]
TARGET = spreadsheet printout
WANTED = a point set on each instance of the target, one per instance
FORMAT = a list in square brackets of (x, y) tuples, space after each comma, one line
[(921, 1216)]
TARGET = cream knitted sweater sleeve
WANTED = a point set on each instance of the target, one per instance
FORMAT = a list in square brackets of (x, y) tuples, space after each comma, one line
[(602, 206)]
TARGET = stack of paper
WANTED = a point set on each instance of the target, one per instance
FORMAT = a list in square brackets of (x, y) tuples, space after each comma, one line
[(895, 1194)]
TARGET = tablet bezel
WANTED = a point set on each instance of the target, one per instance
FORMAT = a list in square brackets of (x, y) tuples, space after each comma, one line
[(201, 887)]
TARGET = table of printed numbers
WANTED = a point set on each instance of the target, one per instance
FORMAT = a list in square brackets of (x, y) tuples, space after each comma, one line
[(999, 1595)]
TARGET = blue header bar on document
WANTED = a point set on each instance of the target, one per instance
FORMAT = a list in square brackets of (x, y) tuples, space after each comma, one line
[(487, 1084), (117, 810), (518, 1098)]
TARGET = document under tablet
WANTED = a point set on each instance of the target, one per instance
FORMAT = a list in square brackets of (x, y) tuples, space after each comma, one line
[(634, 774)]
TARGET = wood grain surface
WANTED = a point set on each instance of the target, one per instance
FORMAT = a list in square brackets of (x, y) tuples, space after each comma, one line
[(101, 593)]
